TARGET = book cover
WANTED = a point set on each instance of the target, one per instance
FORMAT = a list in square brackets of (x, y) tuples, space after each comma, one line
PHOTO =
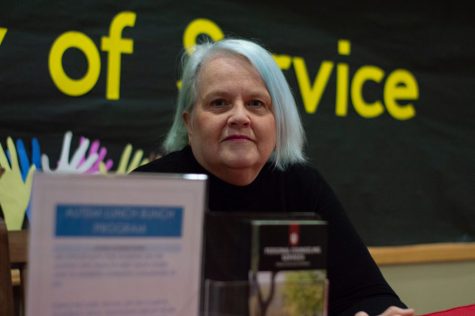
[(288, 268)]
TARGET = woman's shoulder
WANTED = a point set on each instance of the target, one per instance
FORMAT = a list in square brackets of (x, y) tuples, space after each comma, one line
[(309, 181), (175, 162), (299, 178), (303, 172)]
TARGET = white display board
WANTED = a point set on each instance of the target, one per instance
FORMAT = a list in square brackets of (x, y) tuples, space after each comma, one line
[(116, 245)]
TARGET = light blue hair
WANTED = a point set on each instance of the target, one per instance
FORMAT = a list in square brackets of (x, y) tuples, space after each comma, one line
[(290, 136)]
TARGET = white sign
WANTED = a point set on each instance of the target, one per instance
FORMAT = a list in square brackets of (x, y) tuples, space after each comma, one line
[(121, 245)]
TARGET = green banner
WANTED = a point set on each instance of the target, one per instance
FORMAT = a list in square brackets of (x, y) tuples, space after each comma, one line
[(385, 93)]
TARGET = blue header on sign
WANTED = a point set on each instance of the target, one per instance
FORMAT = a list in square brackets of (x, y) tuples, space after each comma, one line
[(118, 221)]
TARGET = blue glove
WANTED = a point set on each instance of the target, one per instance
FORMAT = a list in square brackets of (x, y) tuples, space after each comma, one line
[(23, 155)]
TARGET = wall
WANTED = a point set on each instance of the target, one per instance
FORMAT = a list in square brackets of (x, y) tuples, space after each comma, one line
[(433, 286)]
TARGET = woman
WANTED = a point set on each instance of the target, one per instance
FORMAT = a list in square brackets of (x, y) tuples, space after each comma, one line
[(237, 122)]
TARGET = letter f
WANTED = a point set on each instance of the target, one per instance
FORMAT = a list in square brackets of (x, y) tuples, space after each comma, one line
[(115, 45)]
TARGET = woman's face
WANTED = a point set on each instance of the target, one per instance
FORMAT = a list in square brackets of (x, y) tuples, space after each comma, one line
[(231, 128)]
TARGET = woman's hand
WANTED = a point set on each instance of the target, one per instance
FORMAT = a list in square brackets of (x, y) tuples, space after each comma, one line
[(392, 311)]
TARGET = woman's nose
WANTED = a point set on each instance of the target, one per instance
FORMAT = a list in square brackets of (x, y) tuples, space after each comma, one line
[(239, 115)]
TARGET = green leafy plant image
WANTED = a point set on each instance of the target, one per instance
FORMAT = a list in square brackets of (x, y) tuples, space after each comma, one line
[(304, 293)]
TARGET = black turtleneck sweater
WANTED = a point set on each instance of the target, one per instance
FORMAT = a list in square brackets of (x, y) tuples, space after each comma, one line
[(356, 284)]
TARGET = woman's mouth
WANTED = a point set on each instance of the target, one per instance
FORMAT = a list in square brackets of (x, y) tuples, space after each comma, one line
[(237, 138)]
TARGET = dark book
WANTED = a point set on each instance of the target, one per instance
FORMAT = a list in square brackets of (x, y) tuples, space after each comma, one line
[(234, 243), (288, 268)]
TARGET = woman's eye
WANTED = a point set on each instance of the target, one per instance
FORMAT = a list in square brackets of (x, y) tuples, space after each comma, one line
[(256, 103), (218, 102)]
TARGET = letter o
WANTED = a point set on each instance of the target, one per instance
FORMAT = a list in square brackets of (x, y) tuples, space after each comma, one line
[(74, 87), (197, 27)]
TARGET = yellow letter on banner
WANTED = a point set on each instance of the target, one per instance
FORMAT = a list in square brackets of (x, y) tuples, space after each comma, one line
[(311, 94), (115, 45), (341, 104), (283, 61), (365, 73), (64, 83), (197, 27), (400, 85), (342, 74), (3, 31)]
